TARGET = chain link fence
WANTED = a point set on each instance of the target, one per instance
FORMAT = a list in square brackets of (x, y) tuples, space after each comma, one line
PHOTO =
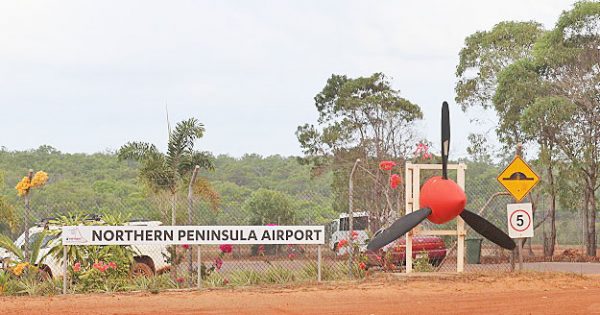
[(244, 265)]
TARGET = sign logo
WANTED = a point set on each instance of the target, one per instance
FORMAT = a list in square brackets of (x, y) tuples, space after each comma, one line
[(520, 220), (518, 178), (72, 234)]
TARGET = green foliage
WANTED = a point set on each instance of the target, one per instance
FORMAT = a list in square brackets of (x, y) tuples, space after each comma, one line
[(245, 278), (270, 207), (421, 263), (485, 54)]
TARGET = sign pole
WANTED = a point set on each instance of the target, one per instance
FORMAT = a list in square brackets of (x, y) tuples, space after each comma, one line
[(519, 240), (64, 288)]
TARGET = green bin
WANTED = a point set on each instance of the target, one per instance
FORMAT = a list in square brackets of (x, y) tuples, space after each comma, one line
[(473, 250)]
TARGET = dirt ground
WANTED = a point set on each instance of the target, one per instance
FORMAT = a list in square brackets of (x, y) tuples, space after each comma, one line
[(526, 293)]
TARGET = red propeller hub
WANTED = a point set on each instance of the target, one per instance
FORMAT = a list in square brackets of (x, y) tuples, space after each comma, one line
[(444, 197)]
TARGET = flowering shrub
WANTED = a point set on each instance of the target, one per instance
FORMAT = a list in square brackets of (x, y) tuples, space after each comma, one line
[(422, 151), (386, 165), (97, 276), (395, 180), (226, 248), (39, 179)]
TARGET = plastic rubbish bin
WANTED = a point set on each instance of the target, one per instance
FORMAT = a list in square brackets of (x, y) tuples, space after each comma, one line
[(473, 250)]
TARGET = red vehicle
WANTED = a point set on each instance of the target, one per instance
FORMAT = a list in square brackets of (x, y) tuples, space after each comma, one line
[(432, 246)]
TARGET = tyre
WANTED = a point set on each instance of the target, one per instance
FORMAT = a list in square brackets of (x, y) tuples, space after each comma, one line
[(139, 269)]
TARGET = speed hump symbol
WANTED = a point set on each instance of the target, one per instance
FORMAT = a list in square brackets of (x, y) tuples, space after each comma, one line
[(520, 220)]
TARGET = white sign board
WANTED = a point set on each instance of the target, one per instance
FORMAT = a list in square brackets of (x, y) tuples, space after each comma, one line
[(191, 235), (520, 220)]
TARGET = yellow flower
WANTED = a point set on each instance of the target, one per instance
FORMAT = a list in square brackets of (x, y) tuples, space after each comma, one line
[(39, 179), (18, 269), (23, 186)]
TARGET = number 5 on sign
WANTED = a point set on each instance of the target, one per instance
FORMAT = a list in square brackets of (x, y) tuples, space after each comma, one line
[(520, 220)]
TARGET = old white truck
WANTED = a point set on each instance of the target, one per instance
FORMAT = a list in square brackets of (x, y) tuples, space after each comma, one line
[(148, 258)]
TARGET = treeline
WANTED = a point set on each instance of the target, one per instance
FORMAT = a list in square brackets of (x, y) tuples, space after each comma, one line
[(100, 183)]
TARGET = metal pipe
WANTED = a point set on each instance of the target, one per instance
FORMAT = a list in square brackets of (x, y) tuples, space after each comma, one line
[(350, 217)]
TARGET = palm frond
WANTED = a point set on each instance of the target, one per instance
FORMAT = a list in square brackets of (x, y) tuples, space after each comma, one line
[(182, 139), (137, 151), (203, 159), (7, 243), (36, 246)]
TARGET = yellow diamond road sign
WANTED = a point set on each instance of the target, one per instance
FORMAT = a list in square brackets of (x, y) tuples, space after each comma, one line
[(518, 178)]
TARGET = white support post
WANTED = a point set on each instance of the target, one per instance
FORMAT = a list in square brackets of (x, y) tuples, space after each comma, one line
[(413, 184), (460, 224), (416, 179), (65, 273)]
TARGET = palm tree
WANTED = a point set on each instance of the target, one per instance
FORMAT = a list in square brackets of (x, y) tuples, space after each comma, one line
[(167, 172)]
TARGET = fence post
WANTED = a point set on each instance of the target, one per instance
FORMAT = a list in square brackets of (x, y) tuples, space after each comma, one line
[(319, 263), (64, 289), (350, 217), (199, 267)]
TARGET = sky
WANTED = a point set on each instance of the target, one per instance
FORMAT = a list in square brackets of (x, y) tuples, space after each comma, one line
[(89, 76)]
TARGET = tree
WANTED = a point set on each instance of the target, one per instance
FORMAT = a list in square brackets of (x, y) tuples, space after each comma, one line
[(8, 217), (270, 207), (487, 53), (168, 172), (360, 118), (569, 64)]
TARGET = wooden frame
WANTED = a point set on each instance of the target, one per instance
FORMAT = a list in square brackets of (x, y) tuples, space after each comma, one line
[(413, 185)]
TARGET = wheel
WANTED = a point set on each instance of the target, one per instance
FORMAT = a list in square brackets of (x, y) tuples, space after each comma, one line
[(139, 269)]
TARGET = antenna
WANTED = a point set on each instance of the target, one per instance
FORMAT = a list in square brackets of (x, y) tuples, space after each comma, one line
[(168, 123)]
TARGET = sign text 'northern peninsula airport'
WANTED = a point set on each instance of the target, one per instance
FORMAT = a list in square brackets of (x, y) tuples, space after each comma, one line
[(180, 235)]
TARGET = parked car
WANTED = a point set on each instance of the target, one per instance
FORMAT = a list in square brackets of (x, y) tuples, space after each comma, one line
[(433, 247), (148, 258)]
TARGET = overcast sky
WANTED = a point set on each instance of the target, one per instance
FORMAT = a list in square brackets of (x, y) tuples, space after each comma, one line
[(86, 76)]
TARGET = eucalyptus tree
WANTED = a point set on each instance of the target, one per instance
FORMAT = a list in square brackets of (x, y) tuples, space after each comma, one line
[(360, 118), (167, 172), (569, 60)]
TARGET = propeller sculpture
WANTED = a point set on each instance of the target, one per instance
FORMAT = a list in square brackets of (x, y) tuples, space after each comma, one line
[(441, 200)]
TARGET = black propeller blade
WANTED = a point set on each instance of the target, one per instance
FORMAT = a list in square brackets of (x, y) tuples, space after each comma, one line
[(398, 228), (488, 230), (445, 138)]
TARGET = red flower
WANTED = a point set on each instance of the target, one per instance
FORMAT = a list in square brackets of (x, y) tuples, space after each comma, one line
[(180, 280), (225, 281), (185, 246), (226, 248), (112, 265), (291, 256), (354, 235), (218, 263), (77, 267), (342, 243), (362, 266), (387, 165), (395, 180)]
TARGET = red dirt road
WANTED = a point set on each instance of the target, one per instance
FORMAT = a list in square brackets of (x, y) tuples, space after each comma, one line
[(529, 293)]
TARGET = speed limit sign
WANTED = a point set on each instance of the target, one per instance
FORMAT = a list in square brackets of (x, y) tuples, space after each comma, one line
[(520, 220)]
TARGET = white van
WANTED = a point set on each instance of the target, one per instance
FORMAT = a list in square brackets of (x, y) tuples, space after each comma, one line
[(339, 229), (148, 258)]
